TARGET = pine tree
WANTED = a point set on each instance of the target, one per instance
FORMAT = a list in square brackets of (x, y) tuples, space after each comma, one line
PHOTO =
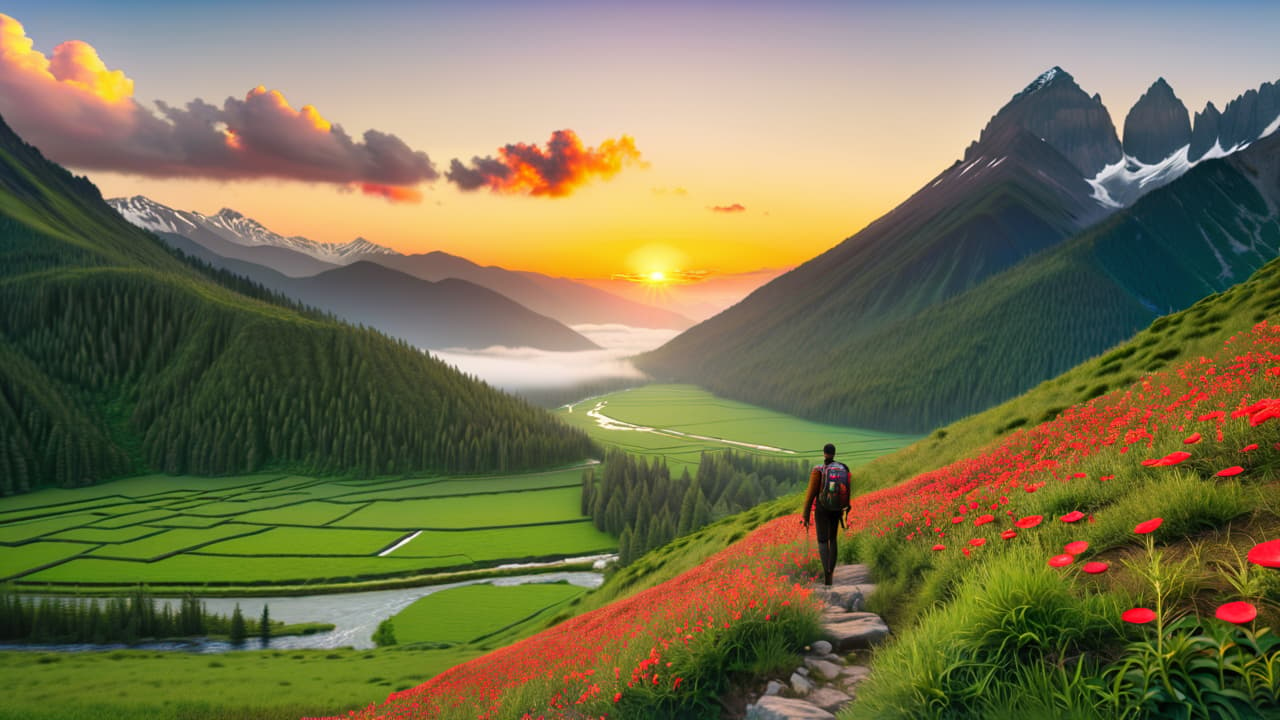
[(238, 631), (264, 627)]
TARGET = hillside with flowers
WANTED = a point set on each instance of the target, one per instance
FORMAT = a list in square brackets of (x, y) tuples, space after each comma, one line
[(1071, 553)]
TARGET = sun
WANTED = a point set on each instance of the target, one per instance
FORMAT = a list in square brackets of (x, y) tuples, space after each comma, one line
[(657, 276)]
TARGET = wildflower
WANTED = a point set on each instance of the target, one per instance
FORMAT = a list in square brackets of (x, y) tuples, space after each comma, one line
[(983, 519), (1236, 612), (1008, 534), (939, 547), (1138, 616), (978, 542), (1191, 439), (1249, 448), (1029, 521), (1075, 548), (1229, 472), (1073, 516), (1147, 526), (1061, 560), (1266, 554), (1095, 567)]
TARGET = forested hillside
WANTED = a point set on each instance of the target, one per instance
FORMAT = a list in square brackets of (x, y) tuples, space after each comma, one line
[(117, 356)]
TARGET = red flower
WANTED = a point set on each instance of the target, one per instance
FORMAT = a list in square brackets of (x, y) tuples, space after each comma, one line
[(983, 520), (1236, 612), (1138, 616), (617, 696), (939, 547), (1095, 567), (1073, 516), (1147, 526), (1230, 472), (1029, 521), (957, 520), (1191, 439), (1079, 475), (1249, 447), (1061, 560), (978, 542), (1212, 416), (1174, 458), (1008, 534), (1075, 548), (1266, 554)]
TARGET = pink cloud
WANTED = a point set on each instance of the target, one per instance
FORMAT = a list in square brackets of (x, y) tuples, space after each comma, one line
[(81, 113), (734, 208)]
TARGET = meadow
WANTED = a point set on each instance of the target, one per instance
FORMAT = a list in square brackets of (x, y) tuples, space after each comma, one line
[(685, 420), (473, 613), (264, 530)]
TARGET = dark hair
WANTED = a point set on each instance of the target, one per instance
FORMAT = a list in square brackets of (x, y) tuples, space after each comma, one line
[(829, 449)]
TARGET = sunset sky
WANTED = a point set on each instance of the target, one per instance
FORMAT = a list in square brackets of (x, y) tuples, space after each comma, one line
[(715, 137)]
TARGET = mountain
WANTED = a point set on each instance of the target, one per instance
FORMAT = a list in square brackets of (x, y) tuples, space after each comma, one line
[(1157, 125), (570, 302), (431, 315), (929, 329), (118, 357), (231, 235), (229, 226)]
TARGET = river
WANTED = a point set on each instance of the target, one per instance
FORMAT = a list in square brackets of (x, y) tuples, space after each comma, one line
[(354, 615)]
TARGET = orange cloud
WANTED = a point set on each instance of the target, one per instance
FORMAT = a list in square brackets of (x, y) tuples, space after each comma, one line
[(734, 208), (81, 113), (392, 193), (564, 165)]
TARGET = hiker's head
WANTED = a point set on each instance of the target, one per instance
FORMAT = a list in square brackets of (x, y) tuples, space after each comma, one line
[(829, 451)]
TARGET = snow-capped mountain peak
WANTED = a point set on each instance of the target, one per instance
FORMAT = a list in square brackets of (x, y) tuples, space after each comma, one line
[(234, 226)]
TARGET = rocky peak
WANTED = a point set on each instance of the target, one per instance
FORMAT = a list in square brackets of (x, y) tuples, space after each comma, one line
[(1053, 107), (1157, 125)]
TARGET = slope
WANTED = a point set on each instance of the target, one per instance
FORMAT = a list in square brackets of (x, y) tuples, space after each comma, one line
[(120, 357), (665, 636)]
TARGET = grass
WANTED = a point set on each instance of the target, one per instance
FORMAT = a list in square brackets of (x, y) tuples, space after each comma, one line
[(264, 529), (692, 410), (474, 612), (532, 507), (249, 685)]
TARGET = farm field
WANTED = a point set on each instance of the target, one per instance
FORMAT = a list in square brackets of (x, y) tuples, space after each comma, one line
[(269, 529), (473, 612), (670, 416)]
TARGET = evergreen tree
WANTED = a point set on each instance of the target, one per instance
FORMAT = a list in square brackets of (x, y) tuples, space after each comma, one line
[(264, 626), (238, 631)]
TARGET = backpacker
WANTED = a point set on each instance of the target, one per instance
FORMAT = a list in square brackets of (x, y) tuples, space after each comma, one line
[(833, 495)]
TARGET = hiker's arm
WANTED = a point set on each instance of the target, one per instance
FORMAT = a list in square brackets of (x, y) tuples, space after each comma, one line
[(815, 479)]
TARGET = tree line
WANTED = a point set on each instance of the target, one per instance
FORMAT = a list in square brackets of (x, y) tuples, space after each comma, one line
[(639, 502), (121, 619)]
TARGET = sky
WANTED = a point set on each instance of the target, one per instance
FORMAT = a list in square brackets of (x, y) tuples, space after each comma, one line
[(578, 139)]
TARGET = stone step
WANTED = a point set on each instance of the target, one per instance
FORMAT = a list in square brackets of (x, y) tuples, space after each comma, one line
[(856, 631), (779, 708)]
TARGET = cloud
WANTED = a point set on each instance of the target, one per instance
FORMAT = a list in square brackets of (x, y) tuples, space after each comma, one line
[(556, 171), (734, 208), (668, 276), (80, 113)]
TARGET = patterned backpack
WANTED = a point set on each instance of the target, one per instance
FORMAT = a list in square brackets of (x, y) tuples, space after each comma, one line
[(833, 495)]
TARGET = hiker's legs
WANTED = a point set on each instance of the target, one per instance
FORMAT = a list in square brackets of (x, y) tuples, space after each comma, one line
[(827, 524)]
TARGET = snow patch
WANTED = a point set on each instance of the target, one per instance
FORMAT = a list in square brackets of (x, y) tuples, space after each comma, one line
[(1274, 126), (1119, 184)]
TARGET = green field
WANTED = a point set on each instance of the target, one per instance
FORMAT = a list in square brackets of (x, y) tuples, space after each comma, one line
[(676, 413), (472, 612), (262, 685), (269, 529)]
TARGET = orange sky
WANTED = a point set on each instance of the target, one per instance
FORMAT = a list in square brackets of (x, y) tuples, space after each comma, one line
[(808, 120)]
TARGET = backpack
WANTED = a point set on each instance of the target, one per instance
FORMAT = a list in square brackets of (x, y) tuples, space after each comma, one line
[(833, 494)]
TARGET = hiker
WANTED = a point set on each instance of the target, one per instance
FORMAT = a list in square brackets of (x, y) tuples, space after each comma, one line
[(828, 499)]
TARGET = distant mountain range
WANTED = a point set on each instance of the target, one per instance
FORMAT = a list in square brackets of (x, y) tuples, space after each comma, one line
[(230, 235), (934, 311)]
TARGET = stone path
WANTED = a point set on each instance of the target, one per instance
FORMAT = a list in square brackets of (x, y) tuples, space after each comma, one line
[(829, 675)]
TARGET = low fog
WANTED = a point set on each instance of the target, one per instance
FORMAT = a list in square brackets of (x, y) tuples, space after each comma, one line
[(523, 368)]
